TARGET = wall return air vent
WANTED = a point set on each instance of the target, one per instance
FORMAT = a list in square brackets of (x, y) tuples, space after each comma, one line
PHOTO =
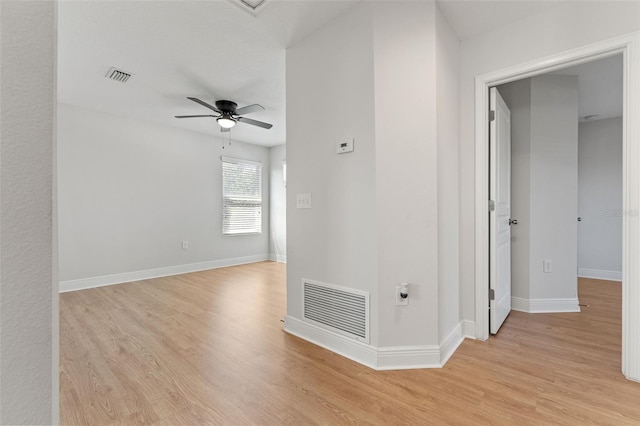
[(338, 309), (118, 75)]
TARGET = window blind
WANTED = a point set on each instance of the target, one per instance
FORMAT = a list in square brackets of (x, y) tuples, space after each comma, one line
[(241, 196)]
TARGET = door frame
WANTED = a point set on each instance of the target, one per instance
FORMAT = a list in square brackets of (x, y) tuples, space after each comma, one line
[(629, 47)]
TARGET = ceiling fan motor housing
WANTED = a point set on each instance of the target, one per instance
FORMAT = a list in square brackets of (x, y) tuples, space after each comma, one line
[(226, 106)]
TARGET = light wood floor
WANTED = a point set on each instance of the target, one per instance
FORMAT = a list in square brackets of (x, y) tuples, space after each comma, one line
[(208, 348)]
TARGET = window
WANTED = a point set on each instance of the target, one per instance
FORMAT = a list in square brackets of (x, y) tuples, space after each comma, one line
[(241, 196), (284, 172)]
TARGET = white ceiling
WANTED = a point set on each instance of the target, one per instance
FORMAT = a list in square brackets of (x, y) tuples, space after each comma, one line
[(209, 49), (212, 50), (600, 87), (473, 17)]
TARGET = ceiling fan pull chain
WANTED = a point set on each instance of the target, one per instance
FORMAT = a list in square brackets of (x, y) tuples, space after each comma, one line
[(226, 138)]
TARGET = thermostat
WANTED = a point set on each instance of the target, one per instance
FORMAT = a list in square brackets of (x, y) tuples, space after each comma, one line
[(344, 147)]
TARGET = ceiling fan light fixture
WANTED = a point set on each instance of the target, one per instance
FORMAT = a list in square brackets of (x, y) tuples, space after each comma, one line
[(226, 122)]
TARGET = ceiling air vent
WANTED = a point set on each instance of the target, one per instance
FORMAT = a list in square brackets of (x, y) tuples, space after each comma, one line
[(252, 7), (253, 4), (118, 75)]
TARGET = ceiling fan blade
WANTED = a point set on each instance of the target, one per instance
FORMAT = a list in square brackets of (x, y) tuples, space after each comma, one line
[(203, 103), (249, 109), (225, 129), (193, 116), (255, 122)]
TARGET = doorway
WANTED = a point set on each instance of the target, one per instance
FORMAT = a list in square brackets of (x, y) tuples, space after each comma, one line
[(627, 46), (565, 185)]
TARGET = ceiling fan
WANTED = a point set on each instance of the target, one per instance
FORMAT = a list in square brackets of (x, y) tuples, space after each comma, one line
[(229, 114)]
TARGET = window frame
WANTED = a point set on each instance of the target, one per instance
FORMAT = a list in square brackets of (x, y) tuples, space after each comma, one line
[(226, 228)]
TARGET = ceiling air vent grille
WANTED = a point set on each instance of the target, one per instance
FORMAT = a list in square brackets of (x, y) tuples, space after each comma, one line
[(253, 4), (118, 75), (253, 7)]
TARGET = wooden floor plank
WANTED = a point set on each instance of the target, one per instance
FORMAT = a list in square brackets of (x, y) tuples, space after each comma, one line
[(208, 348)]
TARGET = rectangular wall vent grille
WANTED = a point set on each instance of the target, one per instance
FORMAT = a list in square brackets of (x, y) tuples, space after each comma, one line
[(338, 309), (118, 75)]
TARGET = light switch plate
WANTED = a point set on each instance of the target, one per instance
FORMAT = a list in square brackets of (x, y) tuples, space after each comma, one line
[(303, 201)]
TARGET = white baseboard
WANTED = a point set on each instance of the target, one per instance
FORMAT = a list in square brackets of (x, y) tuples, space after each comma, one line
[(539, 306), (449, 345), (282, 258), (600, 274), (408, 357), (519, 304), (126, 277), (468, 329), (377, 358), (342, 345)]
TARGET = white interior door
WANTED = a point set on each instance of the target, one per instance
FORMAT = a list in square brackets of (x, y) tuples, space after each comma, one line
[(499, 217)]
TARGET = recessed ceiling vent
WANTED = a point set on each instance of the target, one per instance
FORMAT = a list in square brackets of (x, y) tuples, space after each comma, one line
[(253, 4), (253, 7), (118, 75)]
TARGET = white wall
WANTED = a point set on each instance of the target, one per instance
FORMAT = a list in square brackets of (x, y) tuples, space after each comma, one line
[(554, 187), (130, 192), (28, 282), (278, 205), (570, 25), (447, 103), (387, 213), (600, 198), (335, 241), (517, 95), (406, 171), (544, 141)]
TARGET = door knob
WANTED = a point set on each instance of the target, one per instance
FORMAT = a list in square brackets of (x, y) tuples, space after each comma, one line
[(513, 221)]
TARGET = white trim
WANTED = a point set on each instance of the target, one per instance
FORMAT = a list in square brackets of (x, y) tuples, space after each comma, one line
[(377, 358), (468, 329), (239, 161), (519, 304), (600, 274), (449, 345), (540, 306), (282, 258), (342, 345), (629, 46), (408, 357), (84, 283), (631, 207)]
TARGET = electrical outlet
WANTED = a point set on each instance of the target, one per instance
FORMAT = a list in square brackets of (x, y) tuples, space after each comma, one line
[(399, 300), (547, 266), (185, 245)]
